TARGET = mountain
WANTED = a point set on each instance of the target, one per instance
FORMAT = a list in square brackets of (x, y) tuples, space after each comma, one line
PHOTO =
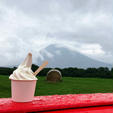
[(62, 57)]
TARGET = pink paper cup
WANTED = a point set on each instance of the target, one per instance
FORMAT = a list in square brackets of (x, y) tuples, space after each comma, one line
[(23, 90)]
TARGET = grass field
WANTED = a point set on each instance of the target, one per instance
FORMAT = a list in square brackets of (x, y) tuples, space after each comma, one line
[(69, 85)]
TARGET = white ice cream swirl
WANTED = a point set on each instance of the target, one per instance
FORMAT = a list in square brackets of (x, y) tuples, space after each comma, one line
[(24, 72)]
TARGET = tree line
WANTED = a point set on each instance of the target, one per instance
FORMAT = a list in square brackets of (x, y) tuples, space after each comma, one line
[(101, 72)]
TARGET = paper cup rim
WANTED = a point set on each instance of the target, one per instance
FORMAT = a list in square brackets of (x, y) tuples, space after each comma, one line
[(23, 80)]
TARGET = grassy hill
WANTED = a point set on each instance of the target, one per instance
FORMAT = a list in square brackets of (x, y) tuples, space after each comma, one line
[(69, 85)]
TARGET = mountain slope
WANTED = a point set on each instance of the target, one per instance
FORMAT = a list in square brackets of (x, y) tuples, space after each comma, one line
[(63, 57)]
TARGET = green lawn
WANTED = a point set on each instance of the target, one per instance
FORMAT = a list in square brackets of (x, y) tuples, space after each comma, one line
[(69, 85)]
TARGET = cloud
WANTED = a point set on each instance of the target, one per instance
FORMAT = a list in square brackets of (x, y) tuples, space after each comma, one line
[(24, 29)]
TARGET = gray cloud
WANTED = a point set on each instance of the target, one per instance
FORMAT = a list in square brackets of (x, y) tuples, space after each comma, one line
[(83, 26)]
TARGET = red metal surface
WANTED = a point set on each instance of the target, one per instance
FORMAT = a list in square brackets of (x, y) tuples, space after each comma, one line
[(102, 109), (55, 102)]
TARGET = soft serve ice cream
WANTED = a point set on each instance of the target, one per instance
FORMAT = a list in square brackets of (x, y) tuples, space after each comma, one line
[(24, 72), (23, 81)]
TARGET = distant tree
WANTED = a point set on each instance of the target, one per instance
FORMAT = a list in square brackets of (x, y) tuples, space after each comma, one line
[(104, 72), (112, 72), (34, 67), (44, 72), (101, 72)]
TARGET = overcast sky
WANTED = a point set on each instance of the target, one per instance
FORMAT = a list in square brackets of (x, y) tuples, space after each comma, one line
[(85, 26)]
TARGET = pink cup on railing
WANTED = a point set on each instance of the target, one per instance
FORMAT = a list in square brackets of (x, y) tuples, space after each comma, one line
[(23, 90)]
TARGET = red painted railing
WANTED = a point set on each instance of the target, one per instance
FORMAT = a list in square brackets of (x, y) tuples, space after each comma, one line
[(81, 103)]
